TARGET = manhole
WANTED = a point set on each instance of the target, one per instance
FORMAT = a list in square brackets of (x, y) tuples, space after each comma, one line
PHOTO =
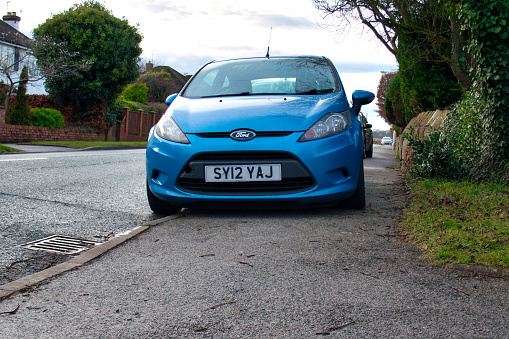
[(60, 244)]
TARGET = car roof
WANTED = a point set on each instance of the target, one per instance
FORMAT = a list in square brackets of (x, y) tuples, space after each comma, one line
[(273, 57)]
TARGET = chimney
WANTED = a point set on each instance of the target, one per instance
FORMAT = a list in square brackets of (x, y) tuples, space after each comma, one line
[(12, 19), (149, 66)]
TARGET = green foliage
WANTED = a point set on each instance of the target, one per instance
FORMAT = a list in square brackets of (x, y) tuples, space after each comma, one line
[(434, 157), (464, 127), (20, 113), (394, 107), (427, 83), (114, 111), (6, 149), (159, 85), (136, 93), (486, 24), (109, 44), (47, 117), (459, 222)]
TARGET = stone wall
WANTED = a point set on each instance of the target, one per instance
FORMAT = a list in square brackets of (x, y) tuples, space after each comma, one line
[(423, 124)]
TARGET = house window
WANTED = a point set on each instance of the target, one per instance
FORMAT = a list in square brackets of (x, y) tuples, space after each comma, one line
[(16, 59)]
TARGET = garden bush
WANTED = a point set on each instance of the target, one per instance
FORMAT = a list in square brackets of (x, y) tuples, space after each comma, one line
[(135, 92), (47, 117)]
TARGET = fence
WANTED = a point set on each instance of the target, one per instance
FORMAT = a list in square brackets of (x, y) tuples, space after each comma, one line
[(135, 125)]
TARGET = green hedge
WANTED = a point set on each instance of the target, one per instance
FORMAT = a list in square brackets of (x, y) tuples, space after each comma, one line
[(47, 117)]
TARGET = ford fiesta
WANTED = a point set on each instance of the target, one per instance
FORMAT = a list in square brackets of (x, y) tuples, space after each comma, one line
[(258, 132)]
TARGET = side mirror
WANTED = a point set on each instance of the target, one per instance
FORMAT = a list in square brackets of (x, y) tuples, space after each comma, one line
[(360, 98), (170, 98)]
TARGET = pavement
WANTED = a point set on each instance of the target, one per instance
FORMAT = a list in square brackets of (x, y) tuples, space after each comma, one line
[(30, 148), (258, 275)]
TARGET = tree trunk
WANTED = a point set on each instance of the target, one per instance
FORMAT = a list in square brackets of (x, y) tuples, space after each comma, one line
[(461, 75)]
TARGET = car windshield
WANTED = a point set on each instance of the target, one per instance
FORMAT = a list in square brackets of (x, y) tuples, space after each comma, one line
[(306, 76)]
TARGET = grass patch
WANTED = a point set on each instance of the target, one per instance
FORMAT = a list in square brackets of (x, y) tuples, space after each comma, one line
[(459, 222), (5, 149), (86, 144)]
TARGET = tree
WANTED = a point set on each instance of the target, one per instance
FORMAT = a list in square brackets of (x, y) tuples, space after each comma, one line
[(110, 46), (13, 59), (434, 21), (162, 81), (20, 113)]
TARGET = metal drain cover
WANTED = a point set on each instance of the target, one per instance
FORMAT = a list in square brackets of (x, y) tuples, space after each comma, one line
[(60, 244)]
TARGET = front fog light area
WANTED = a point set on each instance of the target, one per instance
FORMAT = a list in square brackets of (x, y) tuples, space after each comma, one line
[(331, 124)]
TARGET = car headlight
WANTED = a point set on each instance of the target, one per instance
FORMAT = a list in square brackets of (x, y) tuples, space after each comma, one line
[(168, 129), (331, 124)]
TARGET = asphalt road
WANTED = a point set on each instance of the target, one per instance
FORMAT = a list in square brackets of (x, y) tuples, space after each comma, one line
[(267, 274), (89, 195)]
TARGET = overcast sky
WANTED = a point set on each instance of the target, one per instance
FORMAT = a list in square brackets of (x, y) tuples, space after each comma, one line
[(185, 34)]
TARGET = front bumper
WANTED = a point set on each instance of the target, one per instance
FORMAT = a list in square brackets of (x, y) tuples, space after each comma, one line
[(320, 171)]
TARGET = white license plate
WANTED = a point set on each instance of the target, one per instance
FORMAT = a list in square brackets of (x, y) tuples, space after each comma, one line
[(232, 173)]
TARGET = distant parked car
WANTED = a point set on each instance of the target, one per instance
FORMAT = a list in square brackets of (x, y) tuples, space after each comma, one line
[(367, 134), (386, 141), (257, 132)]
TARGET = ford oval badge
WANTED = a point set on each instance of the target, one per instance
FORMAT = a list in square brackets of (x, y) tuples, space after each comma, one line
[(242, 135)]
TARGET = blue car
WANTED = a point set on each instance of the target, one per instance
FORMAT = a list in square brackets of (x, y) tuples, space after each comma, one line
[(258, 133)]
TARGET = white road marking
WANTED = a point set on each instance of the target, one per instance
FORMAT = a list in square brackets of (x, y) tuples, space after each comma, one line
[(4, 160)]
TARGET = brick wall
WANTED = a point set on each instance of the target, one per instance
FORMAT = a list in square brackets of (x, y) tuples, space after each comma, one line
[(15, 133)]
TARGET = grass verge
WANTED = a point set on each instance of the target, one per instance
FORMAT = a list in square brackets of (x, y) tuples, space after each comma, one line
[(5, 149), (459, 222), (86, 144)]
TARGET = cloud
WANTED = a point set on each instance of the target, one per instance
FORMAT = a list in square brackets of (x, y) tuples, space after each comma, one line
[(283, 21), (269, 19), (363, 67), (167, 8)]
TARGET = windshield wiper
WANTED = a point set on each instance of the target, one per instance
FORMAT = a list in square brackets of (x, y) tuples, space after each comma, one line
[(317, 91), (226, 95)]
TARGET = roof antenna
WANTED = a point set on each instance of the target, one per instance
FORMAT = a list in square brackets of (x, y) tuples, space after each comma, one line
[(268, 47)]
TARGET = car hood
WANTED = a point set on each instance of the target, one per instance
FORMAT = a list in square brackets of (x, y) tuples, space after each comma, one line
[(259, 113)]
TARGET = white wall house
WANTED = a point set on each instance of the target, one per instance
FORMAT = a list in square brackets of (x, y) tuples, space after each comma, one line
[(15, 53)]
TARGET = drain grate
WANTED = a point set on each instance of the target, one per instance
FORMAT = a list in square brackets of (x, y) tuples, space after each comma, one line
[(60, 244)]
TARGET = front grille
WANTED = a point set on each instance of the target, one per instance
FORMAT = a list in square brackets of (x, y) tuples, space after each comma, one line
[(258, 134), (246, 188), (295, 177), (242, 156)]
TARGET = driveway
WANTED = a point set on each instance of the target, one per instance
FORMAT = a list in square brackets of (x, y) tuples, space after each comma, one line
[(267, 274)]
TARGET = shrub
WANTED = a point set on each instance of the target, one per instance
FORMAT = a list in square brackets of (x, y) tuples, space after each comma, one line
[(47, 117), (435, 157), (135, 92), (394, 107)]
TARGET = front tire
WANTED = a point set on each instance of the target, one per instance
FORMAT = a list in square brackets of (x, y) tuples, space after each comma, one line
[(160, 206), (358, 200), (369, 153)]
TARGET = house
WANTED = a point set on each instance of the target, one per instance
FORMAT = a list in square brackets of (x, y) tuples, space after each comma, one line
[(15, 53)]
